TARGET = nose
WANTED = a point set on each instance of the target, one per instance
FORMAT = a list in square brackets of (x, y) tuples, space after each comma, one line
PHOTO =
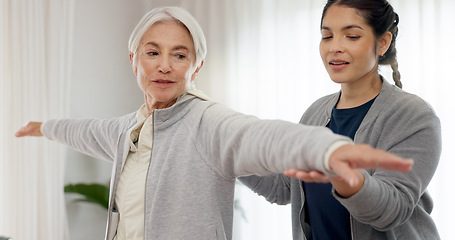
[(336, 46), (164, 65), (333, 51)]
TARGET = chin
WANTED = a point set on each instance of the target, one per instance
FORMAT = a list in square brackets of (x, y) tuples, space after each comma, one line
[(337, 80), (340, 77)]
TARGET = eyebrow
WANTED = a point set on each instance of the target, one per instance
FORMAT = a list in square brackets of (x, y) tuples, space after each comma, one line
[(178, 47), (344, 28)]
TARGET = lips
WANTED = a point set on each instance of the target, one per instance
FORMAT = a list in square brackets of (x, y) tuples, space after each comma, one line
[(163, 81), (338, 64)]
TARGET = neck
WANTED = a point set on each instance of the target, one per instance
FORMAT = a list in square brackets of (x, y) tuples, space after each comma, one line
[(357, 93), (151, 104)]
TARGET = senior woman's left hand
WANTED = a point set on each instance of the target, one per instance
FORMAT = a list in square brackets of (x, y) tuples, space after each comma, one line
[(345, 161)]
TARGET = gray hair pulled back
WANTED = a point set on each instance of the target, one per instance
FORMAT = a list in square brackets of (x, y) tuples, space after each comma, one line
[(170, 14)]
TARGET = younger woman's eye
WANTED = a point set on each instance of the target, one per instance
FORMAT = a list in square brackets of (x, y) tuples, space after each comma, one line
[(326, 37), (353, 37)]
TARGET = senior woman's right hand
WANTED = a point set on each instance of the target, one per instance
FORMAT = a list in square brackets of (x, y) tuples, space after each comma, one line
[(30, 129)]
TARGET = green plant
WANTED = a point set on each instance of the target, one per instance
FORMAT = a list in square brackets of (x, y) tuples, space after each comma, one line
[(93, 193)]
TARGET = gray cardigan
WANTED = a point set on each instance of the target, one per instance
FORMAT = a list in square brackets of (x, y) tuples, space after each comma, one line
[(390, 205), (199, 148)]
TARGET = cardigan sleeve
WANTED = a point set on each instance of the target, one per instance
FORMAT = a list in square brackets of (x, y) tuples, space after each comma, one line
[(274, 188), (410, 129)]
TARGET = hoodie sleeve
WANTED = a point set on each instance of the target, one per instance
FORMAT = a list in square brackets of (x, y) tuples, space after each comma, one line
[(94, 137), (237, 145)]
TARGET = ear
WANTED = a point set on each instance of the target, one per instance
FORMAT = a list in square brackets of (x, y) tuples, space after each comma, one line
[(384, 43), (194, 76), (133, 65)]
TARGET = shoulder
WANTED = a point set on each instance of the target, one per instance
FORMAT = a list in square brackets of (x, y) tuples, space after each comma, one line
[(323, 103), (128, 120), (399, 100), (327, 100), (319, 109), (218, 113), (398, 111), (198, 114)]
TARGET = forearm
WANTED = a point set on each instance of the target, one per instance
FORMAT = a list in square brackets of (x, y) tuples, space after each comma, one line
[(274, 188), (344, 189), (244, 145), (97, 138)]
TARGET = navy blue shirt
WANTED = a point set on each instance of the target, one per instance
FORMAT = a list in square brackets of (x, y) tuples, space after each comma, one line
[(327, 217)]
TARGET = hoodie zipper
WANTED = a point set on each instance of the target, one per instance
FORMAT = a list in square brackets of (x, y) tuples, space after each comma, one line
[(327, 122), (350, 225), (301, 207), (147, 173)]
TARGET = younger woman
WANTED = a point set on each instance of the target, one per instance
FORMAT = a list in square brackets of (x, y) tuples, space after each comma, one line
[(357, 36)]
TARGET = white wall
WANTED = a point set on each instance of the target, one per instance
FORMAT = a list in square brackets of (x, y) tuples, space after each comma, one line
[(102, 86)]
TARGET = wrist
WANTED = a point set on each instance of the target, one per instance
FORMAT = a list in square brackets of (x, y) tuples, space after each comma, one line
[(343, 189), (334, 146)]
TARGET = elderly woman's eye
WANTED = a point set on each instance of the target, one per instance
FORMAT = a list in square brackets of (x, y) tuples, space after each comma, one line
[(152, 53), (180, 56)]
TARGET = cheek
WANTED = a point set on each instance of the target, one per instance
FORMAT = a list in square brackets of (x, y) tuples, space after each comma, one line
[(321, 50), (370, 58), (323, 53), (369, 52), (184, 72), (142, 76)]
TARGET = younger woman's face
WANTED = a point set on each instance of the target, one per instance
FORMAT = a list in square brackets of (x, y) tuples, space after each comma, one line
[(347, 46)]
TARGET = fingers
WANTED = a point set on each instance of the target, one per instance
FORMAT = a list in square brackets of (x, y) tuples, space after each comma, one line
[(364, 156), (346, 172), (388, 161), (290, 172), (312, 176), (345, 161), (347, 158), (30, 129)]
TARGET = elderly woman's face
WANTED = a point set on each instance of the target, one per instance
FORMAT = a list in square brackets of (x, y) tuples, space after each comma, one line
[(165, 58)]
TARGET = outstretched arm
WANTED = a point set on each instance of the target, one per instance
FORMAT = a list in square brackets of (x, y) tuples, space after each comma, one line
[(240, 145), (95, 137)]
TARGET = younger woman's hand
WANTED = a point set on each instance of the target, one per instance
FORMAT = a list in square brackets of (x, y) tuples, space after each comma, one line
[(312, 176)]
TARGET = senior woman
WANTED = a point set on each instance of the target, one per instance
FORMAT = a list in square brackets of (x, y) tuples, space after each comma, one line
[(175, 160)]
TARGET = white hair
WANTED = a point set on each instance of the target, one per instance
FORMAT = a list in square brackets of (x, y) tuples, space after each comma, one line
[(166, 14)]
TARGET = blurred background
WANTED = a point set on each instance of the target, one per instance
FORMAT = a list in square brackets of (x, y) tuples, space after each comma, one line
[(65, 58)]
